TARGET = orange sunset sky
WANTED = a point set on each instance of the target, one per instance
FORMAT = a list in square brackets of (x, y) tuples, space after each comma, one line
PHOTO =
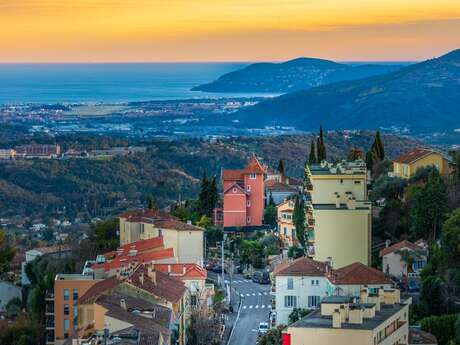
[(226, 30)]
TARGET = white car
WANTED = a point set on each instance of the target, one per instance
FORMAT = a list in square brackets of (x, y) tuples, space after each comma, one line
[(263, 328)]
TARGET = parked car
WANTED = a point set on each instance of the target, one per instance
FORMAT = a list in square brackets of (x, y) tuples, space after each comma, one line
[(261, 277), (218, 269), (263, 328)]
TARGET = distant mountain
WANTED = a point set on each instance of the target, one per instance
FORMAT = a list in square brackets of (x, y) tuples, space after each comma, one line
[(293, 75), (422, 97)]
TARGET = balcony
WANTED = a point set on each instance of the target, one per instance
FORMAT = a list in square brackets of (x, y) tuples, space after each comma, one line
[(49, 309), (49, 295), (49, 324), (311, 236)]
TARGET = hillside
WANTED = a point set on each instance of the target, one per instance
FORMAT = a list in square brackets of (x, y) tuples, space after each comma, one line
[(424, 96), (293, 75), (167, 171)]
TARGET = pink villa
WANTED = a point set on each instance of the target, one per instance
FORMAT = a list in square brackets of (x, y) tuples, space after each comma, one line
[(244, 195)]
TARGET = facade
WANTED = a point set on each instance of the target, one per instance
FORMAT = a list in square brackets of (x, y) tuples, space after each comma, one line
[(285, 225), (62, 306), (7, 154), (372, 319), (185, 239), (406, 165), (244, 195), (38, 151), (304, 283), (395, 262), (8, 291), (339, 221)]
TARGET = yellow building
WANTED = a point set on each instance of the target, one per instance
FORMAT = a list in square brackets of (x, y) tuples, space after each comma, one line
[(286, 228), (185, 238), (406, 165), (380, 318), (339, 215)]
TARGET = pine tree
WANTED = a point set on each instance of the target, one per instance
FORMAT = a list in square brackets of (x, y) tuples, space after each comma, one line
[(281, 168), (298, 218), (312, 157), (320, 146)]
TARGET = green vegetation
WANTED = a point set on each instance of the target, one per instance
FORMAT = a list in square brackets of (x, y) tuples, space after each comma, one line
[(7, 252), (272, 337), (297, 314), (106, 236), (298, 218), (443, 327)]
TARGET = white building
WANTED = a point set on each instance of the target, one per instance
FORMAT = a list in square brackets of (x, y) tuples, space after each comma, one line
[(304, 283), (404, 259)]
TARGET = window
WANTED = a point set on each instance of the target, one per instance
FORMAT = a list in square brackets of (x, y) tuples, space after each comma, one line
[(248, 203), (160, 232), (75, 294), (142, 228), (357, 182), (66, 325), (313, 301), (315, 282), (234, 190), (66, 294), (290, 284), (285, 231), (253, 176), (75, 311), (290, 301), (66, 309), (193, 301), (248, 220), (248, 187)]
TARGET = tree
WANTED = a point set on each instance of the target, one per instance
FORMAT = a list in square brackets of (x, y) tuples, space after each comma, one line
[(270, 215), (13, 307), (379, 146), (355, 154), (203, 329), (151, 204), (320, 146), (271, 201), (376, 153), (450, 240), (432, 296), (272, 337), (281, 168), (297, 314), (208, 196), (298, 218), (106, 234), (213, 235), (443, 327), (312, 157), (430, 208), (295, 252), (6, 252)]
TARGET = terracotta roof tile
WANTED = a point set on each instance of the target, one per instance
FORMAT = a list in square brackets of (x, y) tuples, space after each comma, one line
[(414, 155), (184, 271), (169, 288), (358, 274), (54, 249), (301, 267), (399, 246), (159, 219), (98, 288), (273, 185), (254, 166), (232, 175), (140, 246)]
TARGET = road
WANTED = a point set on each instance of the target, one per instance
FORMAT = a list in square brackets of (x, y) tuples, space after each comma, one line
[(255, 308)]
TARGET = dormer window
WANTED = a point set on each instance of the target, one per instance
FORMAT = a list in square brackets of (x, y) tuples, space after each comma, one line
[(253, 176), (234, 190)]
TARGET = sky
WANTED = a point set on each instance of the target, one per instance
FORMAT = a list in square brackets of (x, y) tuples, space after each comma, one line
[(226, 30)]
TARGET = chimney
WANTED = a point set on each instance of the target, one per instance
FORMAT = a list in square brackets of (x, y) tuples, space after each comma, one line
[(169, 268), (381, 294), (336, 319), (183, 270), (343, 314), (356, 316), (363, 295), (123, 303), (189, 222)]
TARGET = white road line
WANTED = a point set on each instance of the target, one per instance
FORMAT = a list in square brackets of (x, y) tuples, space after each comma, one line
[(253, 294), (263, 306), (242, 295), (257, 306), (265, 293), (244, 307), (250, 307), (248, 295), (260, 294)]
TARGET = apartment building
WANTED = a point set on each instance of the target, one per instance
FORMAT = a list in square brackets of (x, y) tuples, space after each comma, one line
[(371, 319), (62, 306), (184, 238), (285, 224), (407, 164), (7, 154), (304, 283), (338, 213), (38, 151), (404, 259)]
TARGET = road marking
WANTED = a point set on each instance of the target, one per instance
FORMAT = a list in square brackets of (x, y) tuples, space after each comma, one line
[(250, 307), (263, 306), (260, 294), (253, 294), (242, 295), (257, 306), (244, 307), (265, 293), (248, 295)]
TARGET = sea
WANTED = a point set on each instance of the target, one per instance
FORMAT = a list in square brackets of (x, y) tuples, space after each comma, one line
[(110, 82)]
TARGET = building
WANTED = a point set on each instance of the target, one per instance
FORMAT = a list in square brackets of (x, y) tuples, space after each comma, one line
[(55, 251), (279, 187), (285, 224), (244, 195), (62, 306), (7, 154), (406, 165), (304, 283), (184, 238), (115, 316), (8, 291), (39, 151), (419, 337), (338, 213), (301, 283), (404, 259), (381, 318)]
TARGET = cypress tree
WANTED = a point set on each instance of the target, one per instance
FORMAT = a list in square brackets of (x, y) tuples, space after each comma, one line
[(271, 201), (281, 168), (312, 157), (320, 146), (298, 218), (203, 198), (213, 195), (379, 144)]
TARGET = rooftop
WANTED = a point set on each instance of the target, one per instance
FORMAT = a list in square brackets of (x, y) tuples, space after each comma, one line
[(159, 219), (357, 167), (316, 320), (415, 155), (301, 267), (401, 245), (358, 274), (72, 276)]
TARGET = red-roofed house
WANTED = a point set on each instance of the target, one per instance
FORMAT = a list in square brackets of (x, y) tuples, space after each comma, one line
[(244, 195), (404, 259), (184, 238), (406, 165)]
